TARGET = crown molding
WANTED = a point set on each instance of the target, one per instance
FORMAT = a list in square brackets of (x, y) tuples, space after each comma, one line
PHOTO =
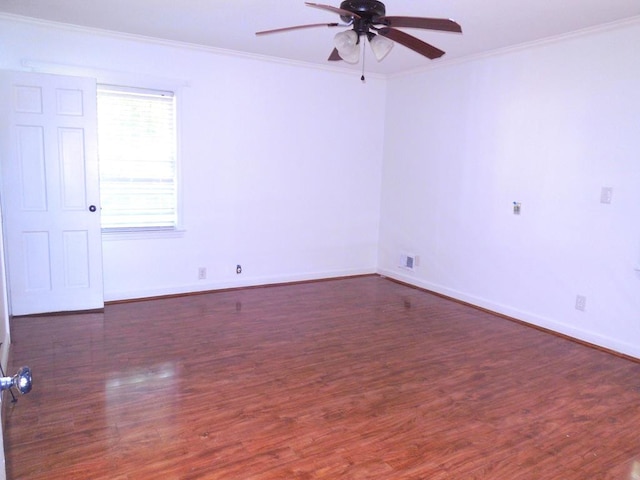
[(605, 27), (441, 63), (183, 45)]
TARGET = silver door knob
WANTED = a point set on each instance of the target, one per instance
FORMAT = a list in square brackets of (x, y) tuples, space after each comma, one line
[(22, 381)]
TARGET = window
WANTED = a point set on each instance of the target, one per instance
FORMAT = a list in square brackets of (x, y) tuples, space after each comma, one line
[(137, 157)]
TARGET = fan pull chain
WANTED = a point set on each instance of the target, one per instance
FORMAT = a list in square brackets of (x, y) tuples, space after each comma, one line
[(364, 49)]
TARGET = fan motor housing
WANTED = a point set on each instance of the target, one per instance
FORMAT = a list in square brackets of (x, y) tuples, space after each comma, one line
[(367, 9)]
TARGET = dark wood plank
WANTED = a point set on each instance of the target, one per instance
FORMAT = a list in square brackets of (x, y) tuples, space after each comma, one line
[(351, 378)]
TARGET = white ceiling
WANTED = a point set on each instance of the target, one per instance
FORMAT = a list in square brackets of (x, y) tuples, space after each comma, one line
[(231, 24)]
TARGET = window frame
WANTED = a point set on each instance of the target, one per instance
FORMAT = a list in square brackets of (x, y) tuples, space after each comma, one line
[(146, 232)]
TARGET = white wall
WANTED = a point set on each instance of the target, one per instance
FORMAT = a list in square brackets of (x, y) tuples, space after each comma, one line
[(275, 173), (547, 126), (275, 177)]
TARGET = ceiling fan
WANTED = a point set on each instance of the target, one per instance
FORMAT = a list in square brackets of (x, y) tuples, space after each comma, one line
[(368, 18)]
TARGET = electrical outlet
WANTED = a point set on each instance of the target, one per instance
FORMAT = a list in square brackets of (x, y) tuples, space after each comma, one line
[(581, 303), (606, 194), (517, 207), (202, 273), (238, 269)]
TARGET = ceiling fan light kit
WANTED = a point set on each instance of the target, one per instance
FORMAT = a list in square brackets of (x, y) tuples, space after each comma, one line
[(348, 46), (368, 18), (381, 46)]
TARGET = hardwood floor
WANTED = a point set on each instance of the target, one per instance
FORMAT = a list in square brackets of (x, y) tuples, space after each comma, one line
[(358, 378)]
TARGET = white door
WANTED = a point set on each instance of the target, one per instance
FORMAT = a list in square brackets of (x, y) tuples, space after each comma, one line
[(50, 192)]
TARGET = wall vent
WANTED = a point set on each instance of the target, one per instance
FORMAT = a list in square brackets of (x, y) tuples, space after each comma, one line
[(408, 261)]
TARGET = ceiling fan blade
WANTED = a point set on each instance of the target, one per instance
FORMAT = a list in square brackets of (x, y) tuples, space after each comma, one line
[(339, 11), (444, 24), (297, 27), (411, 42), (335, 56)]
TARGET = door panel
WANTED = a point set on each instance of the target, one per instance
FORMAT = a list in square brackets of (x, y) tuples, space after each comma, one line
[(71, 142), (76, 259), (37, 271), (48, 148), (30, 159)]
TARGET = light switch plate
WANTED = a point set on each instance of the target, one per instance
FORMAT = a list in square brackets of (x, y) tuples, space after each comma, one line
[(606, 194)]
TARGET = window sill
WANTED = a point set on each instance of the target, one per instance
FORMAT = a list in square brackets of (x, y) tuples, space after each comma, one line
[(142, 234)]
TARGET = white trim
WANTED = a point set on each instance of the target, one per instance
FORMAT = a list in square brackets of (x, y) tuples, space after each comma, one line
[(551, 324), (445, 62), (43, 66), (5, 309), (142, 234), (128, 90), (137, 90), (6, 347), (104, 76), (247, 282)]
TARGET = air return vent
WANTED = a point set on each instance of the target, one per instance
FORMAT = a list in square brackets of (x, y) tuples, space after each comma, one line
[(409, 261)]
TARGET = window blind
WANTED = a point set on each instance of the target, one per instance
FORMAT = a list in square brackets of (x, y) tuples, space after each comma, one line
[(137, 158)]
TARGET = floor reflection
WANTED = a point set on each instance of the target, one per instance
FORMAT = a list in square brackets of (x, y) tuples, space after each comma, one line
[(141, 403)]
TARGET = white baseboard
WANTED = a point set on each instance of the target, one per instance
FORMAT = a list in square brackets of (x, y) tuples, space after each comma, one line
[(113, 296), (593, 338)]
